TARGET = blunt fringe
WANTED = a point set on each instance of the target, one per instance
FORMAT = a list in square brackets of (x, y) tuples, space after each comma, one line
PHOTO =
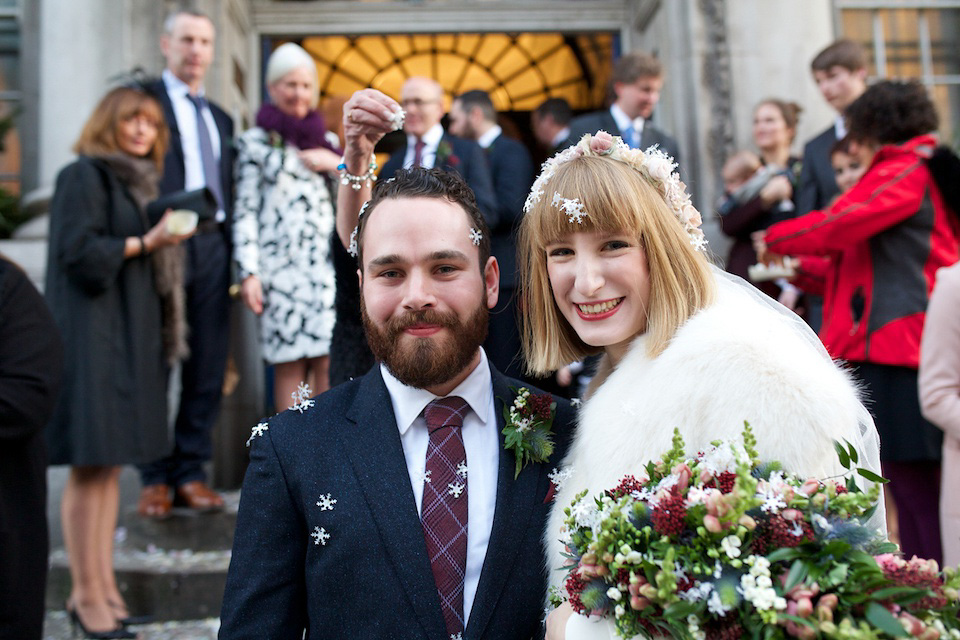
[(617, 199), (99, 134)]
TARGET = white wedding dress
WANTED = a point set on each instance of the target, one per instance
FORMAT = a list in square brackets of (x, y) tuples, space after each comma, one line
[(744, 358)]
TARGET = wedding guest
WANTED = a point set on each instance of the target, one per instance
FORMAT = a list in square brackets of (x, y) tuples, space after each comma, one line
[(768, 198), (102, 290), (31, 364), (551, 123), (849, 167), (939, 380), (612, 257), (636, 84), (886, 238), (200, 155), (389, 506), (283, 223)]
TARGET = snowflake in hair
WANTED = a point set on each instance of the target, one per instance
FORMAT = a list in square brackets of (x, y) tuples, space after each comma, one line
[(570, 206), (326, 502), (301, 398), (456, 489), (257, 431), (353, 249), (475, 236), (320, 536)]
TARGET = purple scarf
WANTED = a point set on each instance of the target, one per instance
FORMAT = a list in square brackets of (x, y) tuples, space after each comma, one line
[(307, 133)]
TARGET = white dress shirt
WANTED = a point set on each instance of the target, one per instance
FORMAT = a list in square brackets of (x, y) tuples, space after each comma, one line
[(492, 134), (840, 128), (482, 444), (624, 122), (186, 115), (428, 157), (561, 137)]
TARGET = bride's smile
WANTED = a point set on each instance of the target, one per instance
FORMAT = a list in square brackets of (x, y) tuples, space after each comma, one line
[(601, 284)]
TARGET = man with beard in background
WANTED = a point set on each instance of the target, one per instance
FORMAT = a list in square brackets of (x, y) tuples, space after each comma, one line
[(388, 506)]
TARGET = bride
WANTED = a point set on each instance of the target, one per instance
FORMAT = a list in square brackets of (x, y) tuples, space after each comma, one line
[(614, 262)]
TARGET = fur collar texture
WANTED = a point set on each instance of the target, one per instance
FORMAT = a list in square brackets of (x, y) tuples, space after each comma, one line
[(736, 360)]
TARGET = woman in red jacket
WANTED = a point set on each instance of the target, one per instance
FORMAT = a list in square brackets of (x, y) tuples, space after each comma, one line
[(885, 240)]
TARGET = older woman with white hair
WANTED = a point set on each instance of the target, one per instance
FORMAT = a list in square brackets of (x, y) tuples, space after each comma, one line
[(283, 222)]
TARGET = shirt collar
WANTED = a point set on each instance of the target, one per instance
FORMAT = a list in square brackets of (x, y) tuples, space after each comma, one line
[(175, 86), (840, 128), (409, 402), (431, 138), (487, 138), (623, 120), (562, 135)]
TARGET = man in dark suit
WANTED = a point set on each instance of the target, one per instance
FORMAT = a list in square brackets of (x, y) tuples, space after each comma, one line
[(551, 123), (364, 513), (473, 117), (430, 147), (840, 72), (200, 155), (637, 81)]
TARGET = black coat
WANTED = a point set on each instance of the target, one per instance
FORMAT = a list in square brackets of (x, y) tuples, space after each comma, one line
[(31, 362), (603, 120), (466, 159), (818, 183), (112, 409), (512, 172), (373, 578)]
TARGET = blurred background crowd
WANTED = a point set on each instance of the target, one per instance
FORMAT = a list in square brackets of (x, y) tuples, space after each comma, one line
[(824, 175)]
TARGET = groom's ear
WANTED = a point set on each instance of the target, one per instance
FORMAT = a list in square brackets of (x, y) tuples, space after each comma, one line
[(491, 281)]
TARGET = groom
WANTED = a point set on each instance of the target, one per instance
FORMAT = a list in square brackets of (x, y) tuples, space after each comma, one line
[(388, 507)]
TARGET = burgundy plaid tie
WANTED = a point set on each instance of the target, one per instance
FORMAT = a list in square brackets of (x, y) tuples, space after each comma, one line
[(418, 152), (444, 509)]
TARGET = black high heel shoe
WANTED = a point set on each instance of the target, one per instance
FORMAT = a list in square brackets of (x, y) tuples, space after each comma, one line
[(129, 620), (114, 634)]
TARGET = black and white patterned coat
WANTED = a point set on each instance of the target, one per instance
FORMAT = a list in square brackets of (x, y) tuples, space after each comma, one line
[(282, 224)]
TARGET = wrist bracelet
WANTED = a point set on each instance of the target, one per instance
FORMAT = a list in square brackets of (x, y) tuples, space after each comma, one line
[(356, 182), (143, 245)]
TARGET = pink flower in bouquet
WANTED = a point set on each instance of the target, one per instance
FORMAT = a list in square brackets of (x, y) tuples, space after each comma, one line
[(683, 473), (601, 142)]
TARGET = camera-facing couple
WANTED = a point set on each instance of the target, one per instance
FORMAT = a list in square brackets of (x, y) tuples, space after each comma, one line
[(391, 507)]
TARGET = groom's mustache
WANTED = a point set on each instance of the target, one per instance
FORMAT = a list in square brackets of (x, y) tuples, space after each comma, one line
[(424, 316)]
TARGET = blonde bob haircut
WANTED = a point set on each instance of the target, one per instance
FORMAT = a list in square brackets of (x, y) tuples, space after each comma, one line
[(617, 199), (99, 135)]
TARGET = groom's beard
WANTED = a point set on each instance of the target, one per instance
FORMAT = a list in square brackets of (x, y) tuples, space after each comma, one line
[(426, 362)]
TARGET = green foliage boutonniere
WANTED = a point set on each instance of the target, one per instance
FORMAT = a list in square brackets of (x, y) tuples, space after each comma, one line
[(528, 432)]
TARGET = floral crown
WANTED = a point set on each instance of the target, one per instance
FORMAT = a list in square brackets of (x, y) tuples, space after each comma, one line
[(653, 164)]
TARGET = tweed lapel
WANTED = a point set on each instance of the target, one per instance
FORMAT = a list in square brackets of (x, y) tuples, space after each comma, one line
[(373, 446), (516, 500)]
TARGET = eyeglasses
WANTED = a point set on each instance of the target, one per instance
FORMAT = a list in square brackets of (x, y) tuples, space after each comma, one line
[(419, 103)]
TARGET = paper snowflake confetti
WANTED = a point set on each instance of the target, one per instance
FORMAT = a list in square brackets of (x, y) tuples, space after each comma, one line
[(353, 249), (326, 502), (570, 206), (575, 403), (320, 536), (301, 398), (456, 636), (559, 477), (257, 431), (397, 120), (455, 489), (426, 476), (475, 236), (462, 469)]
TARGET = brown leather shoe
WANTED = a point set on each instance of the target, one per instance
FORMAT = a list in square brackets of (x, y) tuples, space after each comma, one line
[(155, 501), (197, 495)]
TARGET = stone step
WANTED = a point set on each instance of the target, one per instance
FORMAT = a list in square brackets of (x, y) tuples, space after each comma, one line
[(56, 626), (167, 584), (184, 529)]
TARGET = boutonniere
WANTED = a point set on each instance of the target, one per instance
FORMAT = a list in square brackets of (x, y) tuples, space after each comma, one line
[(528, 432), (445, 155)]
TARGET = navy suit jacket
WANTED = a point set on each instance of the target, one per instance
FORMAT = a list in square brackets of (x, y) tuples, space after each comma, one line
[(818, 183), (174, 174), (597, 120), (372, 578), (467, 160), (512, 171)]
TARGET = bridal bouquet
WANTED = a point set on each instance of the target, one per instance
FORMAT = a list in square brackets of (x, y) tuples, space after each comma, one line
[(722, 545)]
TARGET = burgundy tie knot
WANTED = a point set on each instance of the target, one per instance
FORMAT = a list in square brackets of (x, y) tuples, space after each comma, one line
[(445, 412), (418, 152)]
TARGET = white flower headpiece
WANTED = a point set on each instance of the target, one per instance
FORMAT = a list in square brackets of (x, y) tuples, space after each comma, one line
[(653, 164)]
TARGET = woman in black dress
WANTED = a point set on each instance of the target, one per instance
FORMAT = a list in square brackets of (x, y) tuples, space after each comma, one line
[(101, 288)]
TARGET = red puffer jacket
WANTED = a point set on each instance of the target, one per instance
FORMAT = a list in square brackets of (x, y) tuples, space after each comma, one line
[(886, 238)]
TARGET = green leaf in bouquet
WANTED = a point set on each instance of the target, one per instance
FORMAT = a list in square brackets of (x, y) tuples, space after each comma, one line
[(854, 458), (879, 617), (842, 454), (796, 575), (893, 593), (838, 574), (871, 476), (797, 619), (680, 610), (785, 554)]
